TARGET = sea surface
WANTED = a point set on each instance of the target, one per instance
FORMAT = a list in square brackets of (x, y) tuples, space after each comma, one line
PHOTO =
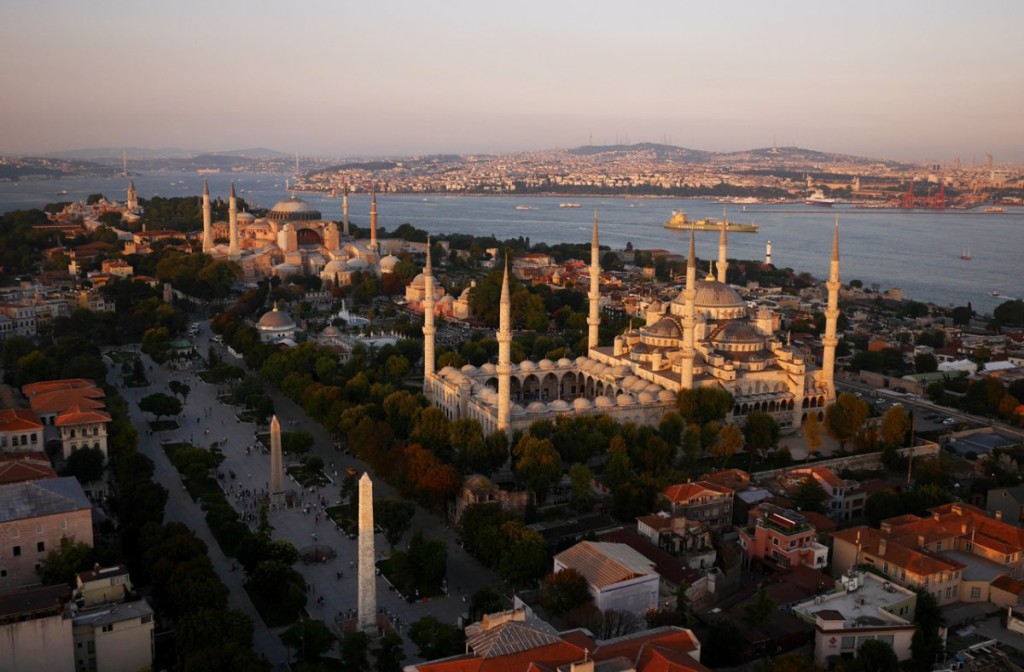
[(917, 251)]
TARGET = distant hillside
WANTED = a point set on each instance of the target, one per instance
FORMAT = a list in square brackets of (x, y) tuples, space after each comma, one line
[(796, 154), (660, 152), (111, 153)]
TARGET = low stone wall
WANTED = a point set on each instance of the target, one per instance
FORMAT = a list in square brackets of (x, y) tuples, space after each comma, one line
[(925, 449)]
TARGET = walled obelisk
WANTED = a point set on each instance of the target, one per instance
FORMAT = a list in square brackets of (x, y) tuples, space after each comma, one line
[(367, 600), (276, 469)]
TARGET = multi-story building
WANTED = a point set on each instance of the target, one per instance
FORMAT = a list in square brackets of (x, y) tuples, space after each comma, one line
[(20, 431), (113, 638), (83, 429), (688, 539), (36, 629), (702, 501), (34, 517), (781, 538), (863, 607), (846, 498), (958, 553), (617, 576), (102, 585)]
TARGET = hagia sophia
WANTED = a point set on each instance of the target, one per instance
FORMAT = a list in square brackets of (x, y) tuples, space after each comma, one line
[(706, 337), (293, 238)]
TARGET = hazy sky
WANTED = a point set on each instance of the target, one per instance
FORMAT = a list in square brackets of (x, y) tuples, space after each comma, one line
[(902, 80)]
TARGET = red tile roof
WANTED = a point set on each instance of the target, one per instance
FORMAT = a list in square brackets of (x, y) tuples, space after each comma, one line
[(682, 493), (76, 416), (1009, 584), (20, 471), (59, 400), (19, 420)]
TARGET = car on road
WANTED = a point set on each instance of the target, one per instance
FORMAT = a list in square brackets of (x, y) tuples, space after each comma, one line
[(949, 421)]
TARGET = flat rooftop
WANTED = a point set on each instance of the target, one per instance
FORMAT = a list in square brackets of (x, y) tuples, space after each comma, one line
[(978, 568), (863, 605)]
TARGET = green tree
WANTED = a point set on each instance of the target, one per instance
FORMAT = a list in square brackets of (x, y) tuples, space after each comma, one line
[(895, 425), (581, 481), (486, 600), (394, 516), (760, 610), (388, 654), (179, 389), (436, 639), (704, 404), (845, 417), (538, 465), (61, 564), (810, 496), (355, 649), (812, 433), (926, 363), (926, 644), (85, 464), (875, 656), (525, 558), (310, 638), (160, 404), (563, 591), (730, 440), (761, 433)]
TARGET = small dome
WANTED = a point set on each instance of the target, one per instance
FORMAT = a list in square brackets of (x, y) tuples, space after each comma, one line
[(666, 327), (581, 404), (666, 395), (714, 294), (527, 365), (629, 380), (545, 364), (447, 371), (653, 388), (388, 263), (559, 405), (419, 281), (537, 407), (293, 209), (645, 398), (247, 217), (564, 362), (275, 319), (638, 386), (517, 410), (330, 332), (334, 266), (478, 483), (598, 368), (604, 402), (581, 360), (624, 400), (356, 264), (469, 368), (621, 370), (487, 367)]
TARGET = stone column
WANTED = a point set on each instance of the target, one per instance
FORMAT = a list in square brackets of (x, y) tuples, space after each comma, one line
[(367, 599), (234, 251), (276, 467), (207, 219)]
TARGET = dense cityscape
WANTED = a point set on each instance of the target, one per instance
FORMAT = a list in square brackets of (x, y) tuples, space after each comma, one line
[(545, 337)]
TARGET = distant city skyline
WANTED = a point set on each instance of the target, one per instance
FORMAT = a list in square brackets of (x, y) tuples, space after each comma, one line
[(905, 81)]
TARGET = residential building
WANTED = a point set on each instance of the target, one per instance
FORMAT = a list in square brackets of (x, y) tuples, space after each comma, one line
[(20, 431), (957, 553), (36, 630), (617, 576), (863, 607), (688, 539), (113, 638), (1006, 503), (102, 585), (509, 642), (478, 489), (781, 538), (846, 498), (34, 517), (83, 429), (702, 501)]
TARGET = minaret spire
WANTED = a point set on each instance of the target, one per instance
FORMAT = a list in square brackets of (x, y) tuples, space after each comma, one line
[(428, 322), (723, 244), (373, 219), (504, 368), (234, 251), (344, 209), (207, 219), (594, 319), (830, 340), (689, 319)]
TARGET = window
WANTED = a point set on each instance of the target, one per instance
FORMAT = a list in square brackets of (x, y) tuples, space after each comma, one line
[(40, 546), (976, 592), (885, 568), (775, 540), (3, 573), (903, 575), (147, 618), (17, 551), (109, 627), (938, 545), (849, 643), (16, 532), (949, 592)]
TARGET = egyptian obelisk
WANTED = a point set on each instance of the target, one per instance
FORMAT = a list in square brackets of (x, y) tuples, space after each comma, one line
[(367, 601), (276, 470)]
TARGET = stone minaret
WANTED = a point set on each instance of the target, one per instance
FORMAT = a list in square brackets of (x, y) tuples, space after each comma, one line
[(594, 319), (373, 220), (207, 219), (768, 253), (504, 355), (689, 320), (133, 197), (723, 244), (830, 341), (367, 597), (428, 321), (234, 252), (344, 210), (276, 466)]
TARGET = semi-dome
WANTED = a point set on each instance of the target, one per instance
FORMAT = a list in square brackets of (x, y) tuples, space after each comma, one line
[(478, 483), (293, 209), (737, 332), (666, 327), (245, 217), (334, 266)]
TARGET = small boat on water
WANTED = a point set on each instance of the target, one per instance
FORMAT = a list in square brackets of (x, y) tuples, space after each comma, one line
[(819, 199), (525, 207), (993, 210), (966, 254), (568, 205), (994, 292)]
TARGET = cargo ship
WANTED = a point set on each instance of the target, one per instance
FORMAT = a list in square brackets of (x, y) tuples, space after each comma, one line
[(679, 220)]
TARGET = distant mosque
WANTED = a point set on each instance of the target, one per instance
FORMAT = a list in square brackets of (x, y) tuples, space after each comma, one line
[(706, 337), (293, 239)]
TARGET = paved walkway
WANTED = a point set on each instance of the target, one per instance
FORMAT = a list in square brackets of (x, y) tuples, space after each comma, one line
[(465, 574)]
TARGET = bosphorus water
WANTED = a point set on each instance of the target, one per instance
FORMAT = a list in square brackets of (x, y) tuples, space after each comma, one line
[(918, 252)]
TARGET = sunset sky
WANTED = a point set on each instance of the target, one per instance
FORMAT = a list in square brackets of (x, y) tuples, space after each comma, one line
[(900, 80)]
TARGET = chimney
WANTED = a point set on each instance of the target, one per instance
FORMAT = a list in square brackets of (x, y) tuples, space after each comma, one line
[(920, 540), (881, 547)]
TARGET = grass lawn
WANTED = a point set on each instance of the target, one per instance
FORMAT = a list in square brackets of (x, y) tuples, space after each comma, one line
[(340, 515), (306, 479)]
